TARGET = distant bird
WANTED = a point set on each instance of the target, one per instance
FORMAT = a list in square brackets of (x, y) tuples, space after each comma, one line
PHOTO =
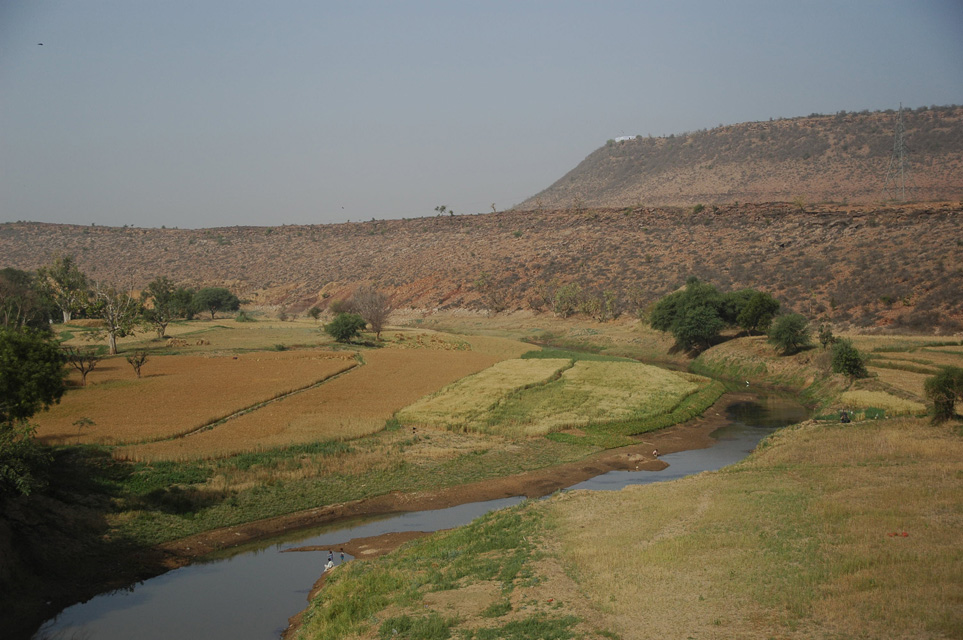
[(39, 44)]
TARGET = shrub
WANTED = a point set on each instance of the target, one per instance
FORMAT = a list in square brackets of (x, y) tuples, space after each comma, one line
[(790, 333), (848, 360), (345, 326), (944, 389)]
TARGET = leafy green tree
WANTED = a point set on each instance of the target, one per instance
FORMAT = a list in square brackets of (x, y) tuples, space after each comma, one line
[(345, 326), (31, 379), (183, 302), (698, 326), (216, 299), (66, 285), (22, 303), (944, 390), (847, 359), (790, 333), (692, 315), (826, 337), (159, 305), (31, 373), (567, 298), (758, 312), (314, 312)]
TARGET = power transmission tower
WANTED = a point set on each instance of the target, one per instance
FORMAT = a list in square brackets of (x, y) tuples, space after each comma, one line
[(896, 177)]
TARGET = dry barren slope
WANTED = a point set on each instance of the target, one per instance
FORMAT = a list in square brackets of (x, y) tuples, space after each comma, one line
[(819, 158), (860, 265)]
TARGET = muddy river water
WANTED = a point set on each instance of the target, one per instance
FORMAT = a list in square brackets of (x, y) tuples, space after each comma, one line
[(250, 592)]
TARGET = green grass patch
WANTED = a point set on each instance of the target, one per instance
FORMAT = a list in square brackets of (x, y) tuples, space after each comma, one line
[(494, 547)]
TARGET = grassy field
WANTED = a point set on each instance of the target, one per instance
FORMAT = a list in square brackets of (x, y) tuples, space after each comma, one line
[(537, 396), (827, 531)]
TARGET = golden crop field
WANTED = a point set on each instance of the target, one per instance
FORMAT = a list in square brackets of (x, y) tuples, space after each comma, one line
[(881, 400), (521, 398), (178, 394), (903, 380), (931, 357), (460, 403), (350, 406)]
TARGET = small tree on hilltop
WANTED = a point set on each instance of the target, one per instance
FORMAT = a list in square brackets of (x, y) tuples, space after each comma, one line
[(847, 359), (790, 333), (345, 326), (944, 390)]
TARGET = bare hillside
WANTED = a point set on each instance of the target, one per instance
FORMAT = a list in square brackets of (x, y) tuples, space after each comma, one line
[(821, 158), (865, 266)]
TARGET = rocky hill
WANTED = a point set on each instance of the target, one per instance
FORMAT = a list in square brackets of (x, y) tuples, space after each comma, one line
[(894, 266), (820, 158)]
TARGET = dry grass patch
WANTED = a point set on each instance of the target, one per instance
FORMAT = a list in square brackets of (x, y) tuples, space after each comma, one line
[(347, 407), (907, 381), (882, 400), (797, 540), (178, 394)]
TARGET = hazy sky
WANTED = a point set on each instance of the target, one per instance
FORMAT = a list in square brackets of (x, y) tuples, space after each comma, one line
[(202, 113)]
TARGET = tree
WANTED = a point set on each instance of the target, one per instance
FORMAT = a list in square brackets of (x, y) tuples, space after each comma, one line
[(698, 327), (183, 302), (345, 326), (493, 293), (693, 315), (758, 312), (22, 303), (66, 285), (826, 337), (314, 312), (83, 360), (374, 306), (137, 359), (944, 390), (159, 304), (846, 359), (790, 333), (567, 299), (119, 311), (31, 373), (216, 299), (31, 379)]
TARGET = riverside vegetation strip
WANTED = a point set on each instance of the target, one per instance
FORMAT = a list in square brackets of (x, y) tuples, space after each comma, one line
[(706, 556)]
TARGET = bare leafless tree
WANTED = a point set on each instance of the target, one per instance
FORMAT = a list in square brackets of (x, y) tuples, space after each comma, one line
[(374, 306), (84, 360)]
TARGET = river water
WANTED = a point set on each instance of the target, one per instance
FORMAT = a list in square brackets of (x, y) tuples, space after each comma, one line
[(249, 593)]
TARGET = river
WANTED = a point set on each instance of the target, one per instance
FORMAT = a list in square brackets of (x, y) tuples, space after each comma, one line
[(249, 593)]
